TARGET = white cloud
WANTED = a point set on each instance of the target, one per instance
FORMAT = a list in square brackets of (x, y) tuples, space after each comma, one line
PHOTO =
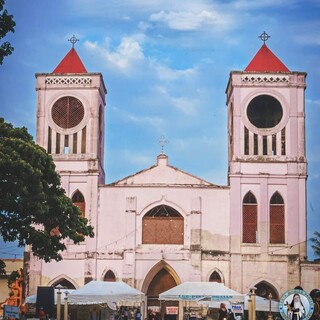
[(129, 55), (137, 159), (249, 4), (204, 141), (152, 121), (308, 39), (124, 57), (168, 74), (313, 102), (143, 26), (187, 20), (185, 104)]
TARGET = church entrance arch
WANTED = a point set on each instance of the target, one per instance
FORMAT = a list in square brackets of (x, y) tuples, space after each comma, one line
[(160, 278)]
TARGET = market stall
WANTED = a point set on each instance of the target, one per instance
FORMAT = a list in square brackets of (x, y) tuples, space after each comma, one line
[(97, 292), (190, 293), (194, 291), (262, 304), (99, 299)]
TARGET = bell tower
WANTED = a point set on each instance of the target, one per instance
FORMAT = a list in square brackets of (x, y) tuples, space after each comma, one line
[(70, 117), (70, 127), (267, 170)]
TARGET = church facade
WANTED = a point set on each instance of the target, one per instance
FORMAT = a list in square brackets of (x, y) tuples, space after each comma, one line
[(162, 226)]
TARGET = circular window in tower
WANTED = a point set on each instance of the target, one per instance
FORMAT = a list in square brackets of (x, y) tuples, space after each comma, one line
[(67, 112), (264, 111)]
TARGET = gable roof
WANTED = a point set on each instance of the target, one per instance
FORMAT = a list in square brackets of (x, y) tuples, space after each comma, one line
[(266, 61), (71, 63), (163, 174)]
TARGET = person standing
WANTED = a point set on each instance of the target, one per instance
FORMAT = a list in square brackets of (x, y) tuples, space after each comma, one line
[(223, 312), (138, 314)]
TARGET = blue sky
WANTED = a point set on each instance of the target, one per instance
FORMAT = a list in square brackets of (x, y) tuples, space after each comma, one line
[(166, 66)]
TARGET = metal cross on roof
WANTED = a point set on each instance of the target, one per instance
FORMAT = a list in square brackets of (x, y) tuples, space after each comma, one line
[(73, 40), (162, 141), (264, 37)]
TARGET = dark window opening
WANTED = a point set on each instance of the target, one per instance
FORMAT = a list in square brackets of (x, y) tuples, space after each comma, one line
[(246, 141), (265, 145), (57, 143), (255, 144), (264, 111), (283, 141), (49, 139), (83, 141), (274, 144)]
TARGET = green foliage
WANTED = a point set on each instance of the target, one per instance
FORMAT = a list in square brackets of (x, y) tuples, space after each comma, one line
[(6, 25), (32, 202), (316, 243)]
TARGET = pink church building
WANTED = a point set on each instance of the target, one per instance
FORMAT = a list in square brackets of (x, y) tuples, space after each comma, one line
[(162, 226)]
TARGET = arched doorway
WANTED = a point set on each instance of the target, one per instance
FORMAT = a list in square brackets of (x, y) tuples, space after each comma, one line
[(161, 278), (264, 289)]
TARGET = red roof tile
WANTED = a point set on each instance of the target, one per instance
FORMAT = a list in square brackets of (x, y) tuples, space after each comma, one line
[(266, 61), (71, 63)]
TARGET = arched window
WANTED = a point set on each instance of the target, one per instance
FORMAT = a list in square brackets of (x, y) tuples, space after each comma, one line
[(78, 200), (277, 219), (249, 218), (109, 276), (215, 277), (64, 283), (162, 225)]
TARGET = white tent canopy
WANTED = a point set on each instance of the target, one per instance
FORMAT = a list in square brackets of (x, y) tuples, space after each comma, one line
[(99, 292), (194, 291), (33, 298), (262, 304)]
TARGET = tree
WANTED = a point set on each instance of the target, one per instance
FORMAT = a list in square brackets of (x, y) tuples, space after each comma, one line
[(316, 243), (34, 209), (6, 25)]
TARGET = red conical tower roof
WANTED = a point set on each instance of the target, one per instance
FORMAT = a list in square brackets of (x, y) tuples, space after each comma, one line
[(266, 61), (71, 63)]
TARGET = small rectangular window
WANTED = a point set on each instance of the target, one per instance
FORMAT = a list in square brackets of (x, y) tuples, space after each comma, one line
[(283, 141), (255, 144), (246, 141), (265, 145), (274, 144), (57, 143), (83, 141), (66, 144), (49, 139), (75, 142)]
